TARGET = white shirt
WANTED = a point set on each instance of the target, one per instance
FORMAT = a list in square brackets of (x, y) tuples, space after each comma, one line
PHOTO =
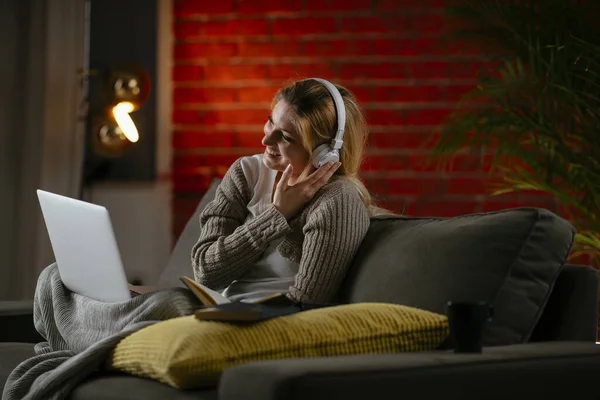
[(272, 273)]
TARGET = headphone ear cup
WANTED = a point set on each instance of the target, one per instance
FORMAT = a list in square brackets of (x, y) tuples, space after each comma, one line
[(320, 154), (324, 154)]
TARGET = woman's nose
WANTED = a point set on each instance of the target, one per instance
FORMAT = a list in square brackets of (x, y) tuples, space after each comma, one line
[(268, 138)]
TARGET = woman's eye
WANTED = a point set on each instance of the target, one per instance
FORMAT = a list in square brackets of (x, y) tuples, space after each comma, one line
[(286, 138), (270, 120)]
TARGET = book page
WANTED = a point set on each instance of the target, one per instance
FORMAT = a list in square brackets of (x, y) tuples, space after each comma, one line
[(206, 295)]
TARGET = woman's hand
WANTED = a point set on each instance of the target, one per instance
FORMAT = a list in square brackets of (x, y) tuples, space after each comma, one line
[(290, 199)]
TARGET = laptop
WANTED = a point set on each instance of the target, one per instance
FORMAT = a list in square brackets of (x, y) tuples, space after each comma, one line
[(85, 247)]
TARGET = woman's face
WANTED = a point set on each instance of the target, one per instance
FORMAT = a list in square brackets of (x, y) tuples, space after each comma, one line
[(282, 142)]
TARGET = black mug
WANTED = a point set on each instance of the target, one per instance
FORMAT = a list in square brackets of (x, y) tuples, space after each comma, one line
[(467, 321)]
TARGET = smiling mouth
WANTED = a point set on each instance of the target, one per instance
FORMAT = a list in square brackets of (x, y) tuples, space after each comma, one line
[(272, 153)]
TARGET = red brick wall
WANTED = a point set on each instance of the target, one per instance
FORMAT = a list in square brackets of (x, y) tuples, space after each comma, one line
[(231, 55)]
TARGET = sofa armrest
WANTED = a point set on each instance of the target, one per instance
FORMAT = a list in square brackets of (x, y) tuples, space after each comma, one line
[(16, 322), (547, 370), (571, 313)]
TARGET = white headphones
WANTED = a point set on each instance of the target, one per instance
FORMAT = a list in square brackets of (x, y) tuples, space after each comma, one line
[(330, 152)]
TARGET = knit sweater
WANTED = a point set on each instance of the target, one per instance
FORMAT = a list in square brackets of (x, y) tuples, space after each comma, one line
[(322, 239)]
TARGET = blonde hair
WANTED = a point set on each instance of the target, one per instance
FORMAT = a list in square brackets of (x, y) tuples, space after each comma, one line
[(315, 122)]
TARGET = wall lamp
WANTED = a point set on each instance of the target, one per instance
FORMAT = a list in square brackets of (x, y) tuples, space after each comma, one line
[(125, 88)]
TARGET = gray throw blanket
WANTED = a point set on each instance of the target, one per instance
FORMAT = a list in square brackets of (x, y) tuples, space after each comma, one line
[(80, 334)]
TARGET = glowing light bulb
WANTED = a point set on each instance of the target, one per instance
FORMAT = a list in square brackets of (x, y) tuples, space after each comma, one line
[(121, 113)]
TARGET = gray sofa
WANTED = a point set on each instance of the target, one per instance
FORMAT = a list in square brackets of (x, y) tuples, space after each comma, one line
[(540, 344)]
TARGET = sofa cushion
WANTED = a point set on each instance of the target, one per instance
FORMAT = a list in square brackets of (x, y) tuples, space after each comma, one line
[(121, 386), (508, 258), (101, 386), (187, 353)]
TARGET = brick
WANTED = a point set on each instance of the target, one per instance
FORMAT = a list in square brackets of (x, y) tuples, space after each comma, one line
[(219, 139), (463, 70), (187, 73), (188, 30), (361, 93), (268, 6), (186, 183), (287, 48), (338, 5), (256, 94), (428, 24), (303, 26), (394, 24), (419, 163), (219, 117), (455, 92), (408, 47), (467, 186), (396, 5), (401, 140), (338, 47), (384, 117), (487, 162), (383, 162), (237, 27), (285, 72), (193, 51), (204, 164), (196, 139), (439, 70), (405, 186), (250, 139), (406, 93), (426, 116), (189, 117), (184, 164), (383, 70), (234, 72), (203, 95), (188, 8), (459, 163), (443, 209)]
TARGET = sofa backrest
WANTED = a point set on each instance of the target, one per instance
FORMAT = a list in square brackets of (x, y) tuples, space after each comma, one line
[(180, 262), (509, 259)]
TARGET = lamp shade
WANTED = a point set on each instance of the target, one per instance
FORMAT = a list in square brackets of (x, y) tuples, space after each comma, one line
[(108, 138), (129, 83)]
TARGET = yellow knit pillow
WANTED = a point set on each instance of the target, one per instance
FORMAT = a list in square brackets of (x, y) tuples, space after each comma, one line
[(186, 353)]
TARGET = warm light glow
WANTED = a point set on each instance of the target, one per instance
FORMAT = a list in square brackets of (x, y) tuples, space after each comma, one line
[(121, 113)]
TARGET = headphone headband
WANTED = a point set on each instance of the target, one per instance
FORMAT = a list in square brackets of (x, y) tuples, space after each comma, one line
[(340, 111), (331, 152)]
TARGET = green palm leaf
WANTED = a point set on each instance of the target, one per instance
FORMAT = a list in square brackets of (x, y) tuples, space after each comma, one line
[(538, 103)]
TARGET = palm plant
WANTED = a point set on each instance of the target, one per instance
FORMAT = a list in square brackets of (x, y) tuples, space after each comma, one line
[(536, 104)]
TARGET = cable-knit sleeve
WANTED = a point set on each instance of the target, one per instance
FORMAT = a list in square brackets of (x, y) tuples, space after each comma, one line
[(332, 234), (228, 246)]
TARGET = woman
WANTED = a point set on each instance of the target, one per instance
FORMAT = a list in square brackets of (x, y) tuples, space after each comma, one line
[(277, 223)]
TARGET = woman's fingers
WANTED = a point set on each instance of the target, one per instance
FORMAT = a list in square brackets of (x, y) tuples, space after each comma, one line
[(321, 176), (285, 177)]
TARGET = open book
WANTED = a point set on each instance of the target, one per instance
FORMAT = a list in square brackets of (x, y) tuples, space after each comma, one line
[(209, 297), (216, 307)]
